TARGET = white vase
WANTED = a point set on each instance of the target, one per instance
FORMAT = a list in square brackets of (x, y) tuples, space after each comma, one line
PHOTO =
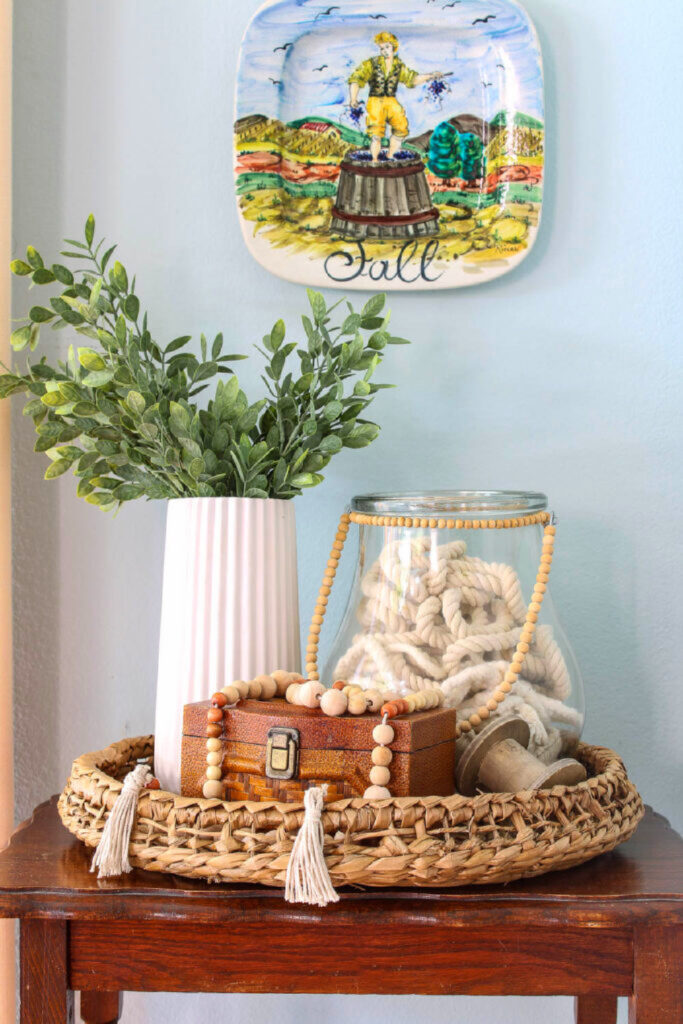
[(230, 607)]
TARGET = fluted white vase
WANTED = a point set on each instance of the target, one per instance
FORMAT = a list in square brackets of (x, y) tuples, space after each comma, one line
[(230, 607)]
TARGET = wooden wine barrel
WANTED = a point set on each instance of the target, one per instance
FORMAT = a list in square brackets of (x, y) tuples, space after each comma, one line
[(385, 200)]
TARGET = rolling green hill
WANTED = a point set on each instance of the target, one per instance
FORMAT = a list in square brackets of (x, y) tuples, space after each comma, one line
[(254, 181), (522, 120)]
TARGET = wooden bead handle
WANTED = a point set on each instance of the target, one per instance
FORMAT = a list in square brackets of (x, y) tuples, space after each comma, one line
[(534, 607), (323, 595)]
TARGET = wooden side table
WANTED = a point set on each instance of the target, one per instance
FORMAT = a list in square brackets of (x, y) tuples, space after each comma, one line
[(612, 927)]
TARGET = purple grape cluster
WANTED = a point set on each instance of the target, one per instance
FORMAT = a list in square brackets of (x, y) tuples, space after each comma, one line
[(436, 90), (356, 113)]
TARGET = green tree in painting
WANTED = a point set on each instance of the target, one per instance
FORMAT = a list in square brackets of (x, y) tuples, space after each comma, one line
[(444, 153), (472, 156), (454, 154)]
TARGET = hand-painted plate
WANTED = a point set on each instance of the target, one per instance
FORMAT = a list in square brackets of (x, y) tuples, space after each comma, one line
[(401, 148)]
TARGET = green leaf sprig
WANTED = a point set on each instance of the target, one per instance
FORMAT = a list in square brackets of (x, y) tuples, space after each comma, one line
[(122, 417)]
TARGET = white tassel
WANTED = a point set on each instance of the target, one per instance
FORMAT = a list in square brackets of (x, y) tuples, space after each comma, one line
[(111, 855), (308, 880)]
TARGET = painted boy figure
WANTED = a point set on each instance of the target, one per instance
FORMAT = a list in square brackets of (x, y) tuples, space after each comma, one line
[(383, 74)]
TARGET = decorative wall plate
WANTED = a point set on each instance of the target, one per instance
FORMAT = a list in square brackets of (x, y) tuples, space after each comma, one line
[(400, 149)]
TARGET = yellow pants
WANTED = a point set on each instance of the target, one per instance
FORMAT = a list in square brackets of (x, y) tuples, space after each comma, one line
[(383, 110)]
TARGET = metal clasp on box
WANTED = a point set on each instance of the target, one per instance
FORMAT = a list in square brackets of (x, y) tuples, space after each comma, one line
[(282, 753)]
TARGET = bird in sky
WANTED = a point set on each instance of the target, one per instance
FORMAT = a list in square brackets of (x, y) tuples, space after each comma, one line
[(452, 4), (275, 81), (483, 21), (322, 67), (285, 47), (501, 66), (325, 14), (376, 17), (486, 84)]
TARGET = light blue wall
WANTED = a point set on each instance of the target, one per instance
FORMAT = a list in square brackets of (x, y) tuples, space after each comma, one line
[(563, 376)]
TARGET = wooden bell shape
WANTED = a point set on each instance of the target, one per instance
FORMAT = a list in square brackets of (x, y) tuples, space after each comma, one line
[(497, 759)]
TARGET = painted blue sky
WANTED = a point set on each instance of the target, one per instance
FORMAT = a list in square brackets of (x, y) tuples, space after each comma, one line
[(432, 36)]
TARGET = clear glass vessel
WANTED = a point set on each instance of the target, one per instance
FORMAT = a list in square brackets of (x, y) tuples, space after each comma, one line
[(444, 601)]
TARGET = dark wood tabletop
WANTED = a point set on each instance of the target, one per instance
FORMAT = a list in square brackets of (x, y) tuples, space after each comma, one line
[(613, 926)]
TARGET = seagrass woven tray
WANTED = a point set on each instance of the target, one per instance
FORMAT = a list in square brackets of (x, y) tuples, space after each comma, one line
[(401, 841)]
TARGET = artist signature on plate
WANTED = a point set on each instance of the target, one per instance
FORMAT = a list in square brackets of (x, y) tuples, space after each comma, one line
[(412, 264)]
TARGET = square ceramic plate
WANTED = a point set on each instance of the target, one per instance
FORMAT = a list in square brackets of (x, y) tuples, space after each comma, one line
[(401, 148)]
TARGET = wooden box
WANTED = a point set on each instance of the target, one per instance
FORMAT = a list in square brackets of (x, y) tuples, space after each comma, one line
[(335, 751)]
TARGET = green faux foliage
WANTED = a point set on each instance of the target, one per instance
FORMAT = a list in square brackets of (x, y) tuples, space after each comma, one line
[(122, 416)]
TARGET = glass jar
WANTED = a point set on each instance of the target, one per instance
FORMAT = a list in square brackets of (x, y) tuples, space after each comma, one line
[(450, 589)]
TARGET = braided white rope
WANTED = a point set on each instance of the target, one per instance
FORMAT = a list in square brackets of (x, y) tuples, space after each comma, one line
[(434, 615)]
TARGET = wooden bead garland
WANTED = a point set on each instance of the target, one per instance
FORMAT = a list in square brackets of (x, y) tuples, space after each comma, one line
[(357, 701), (334, 703), (383, 735), (262, 688), (341, 699), (400, 705)]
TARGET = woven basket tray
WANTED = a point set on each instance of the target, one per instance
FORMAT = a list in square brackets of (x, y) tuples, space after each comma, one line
[(402, 841)]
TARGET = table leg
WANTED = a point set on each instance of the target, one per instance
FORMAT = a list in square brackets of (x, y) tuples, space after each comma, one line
[(657, 976), (595, 1010), (101, 1007), (45, 995)]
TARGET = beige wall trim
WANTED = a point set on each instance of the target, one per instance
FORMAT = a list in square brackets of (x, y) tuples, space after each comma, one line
[(7, 1009)]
